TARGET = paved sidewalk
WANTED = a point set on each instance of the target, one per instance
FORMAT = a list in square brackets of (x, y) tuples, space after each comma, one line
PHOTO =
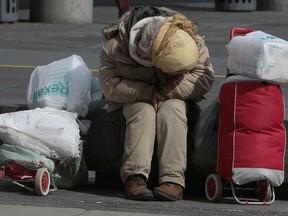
[(24, 45)]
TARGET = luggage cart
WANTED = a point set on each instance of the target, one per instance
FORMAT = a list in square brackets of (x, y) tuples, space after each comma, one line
[(38, 181), (216, 184), (27, 169)]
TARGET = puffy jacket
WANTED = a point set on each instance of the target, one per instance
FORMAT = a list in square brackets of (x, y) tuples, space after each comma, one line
[(124, 80)]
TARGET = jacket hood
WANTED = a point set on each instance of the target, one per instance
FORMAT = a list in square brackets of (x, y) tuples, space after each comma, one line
[(141, 38)]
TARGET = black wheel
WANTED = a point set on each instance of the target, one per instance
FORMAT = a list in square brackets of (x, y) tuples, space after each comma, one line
[(264, 191), (213, 188), (2, 172), (42, 182)]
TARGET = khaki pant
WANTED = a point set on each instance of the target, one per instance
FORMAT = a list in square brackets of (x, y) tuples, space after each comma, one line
[(168, 127)]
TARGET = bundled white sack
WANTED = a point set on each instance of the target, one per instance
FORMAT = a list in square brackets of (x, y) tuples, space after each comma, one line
[(259, 55), (63, 84), (47, 131)]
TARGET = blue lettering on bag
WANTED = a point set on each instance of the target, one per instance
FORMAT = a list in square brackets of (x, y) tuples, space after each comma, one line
[(57, 89)]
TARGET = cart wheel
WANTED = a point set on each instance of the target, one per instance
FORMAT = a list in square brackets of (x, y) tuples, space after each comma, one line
[(2, 172), (264, 191), (213, 188), (42, 182)]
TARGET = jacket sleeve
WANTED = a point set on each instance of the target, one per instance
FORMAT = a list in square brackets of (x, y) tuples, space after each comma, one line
[(117, 88), (196, 83)]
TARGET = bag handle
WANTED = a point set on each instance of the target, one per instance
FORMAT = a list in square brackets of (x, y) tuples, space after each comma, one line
[(238, 30)]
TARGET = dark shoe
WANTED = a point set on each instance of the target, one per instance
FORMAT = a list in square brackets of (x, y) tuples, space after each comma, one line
[(168, 192), (136, 188)]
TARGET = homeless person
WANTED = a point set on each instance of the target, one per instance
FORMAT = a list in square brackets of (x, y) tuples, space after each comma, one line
[(152, 67)]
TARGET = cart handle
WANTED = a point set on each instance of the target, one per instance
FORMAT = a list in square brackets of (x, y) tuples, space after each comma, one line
[(239, 30)]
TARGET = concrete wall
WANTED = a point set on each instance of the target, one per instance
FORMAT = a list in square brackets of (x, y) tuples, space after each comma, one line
[(61, 11), (272, 5), (24, 4)]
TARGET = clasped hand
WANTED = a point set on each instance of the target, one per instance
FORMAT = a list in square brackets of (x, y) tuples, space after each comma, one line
[(157, 100)]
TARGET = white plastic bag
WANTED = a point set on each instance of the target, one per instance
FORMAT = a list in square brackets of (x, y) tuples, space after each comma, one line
[(48, 131), (259, 55), (63, 84)]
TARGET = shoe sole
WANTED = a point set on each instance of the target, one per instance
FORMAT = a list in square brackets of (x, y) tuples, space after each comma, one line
[(142, 197), (161, 195)]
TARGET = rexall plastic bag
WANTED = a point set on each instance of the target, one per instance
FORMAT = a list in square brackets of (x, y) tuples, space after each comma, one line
[(63, 84)]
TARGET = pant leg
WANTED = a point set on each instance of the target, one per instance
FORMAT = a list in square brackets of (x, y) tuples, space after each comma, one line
[(139, 139), (171, 135)]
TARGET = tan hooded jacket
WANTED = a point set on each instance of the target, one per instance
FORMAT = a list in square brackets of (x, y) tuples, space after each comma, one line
[(124, 80)]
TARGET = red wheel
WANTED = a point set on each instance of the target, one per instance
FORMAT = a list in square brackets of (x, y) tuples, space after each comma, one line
[(42, 182), (213, 188), (264, 191)]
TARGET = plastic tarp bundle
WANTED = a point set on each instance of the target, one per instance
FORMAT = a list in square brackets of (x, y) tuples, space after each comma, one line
[(72, 173), (259, 55), (205, 135), (96, 96), (24, 157), (47, 131), (63, 84)]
